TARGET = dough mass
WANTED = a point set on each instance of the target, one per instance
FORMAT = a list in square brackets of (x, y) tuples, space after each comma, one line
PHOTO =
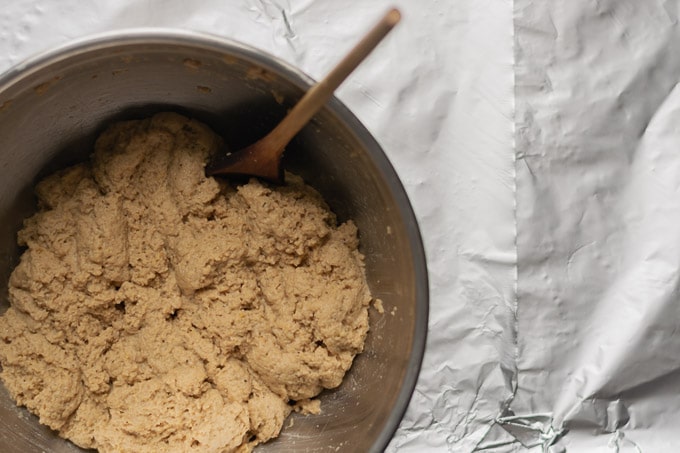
[(155, 309)]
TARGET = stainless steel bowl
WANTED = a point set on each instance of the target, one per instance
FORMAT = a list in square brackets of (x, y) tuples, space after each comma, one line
[(53, 106)]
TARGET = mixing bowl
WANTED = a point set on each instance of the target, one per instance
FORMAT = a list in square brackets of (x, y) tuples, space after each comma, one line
[(52, 108)]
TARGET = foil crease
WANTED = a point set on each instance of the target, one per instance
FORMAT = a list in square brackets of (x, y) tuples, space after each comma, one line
[(538, 142)]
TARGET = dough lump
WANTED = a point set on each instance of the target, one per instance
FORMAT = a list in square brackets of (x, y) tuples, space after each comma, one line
[(155, 309)]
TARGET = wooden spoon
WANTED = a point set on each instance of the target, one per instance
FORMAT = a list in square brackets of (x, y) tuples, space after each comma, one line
[(263, 158)]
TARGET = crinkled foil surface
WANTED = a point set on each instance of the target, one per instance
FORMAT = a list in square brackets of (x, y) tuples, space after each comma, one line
[(539, 142)]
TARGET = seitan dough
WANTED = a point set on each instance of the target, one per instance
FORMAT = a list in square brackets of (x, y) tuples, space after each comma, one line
[(155, 309)]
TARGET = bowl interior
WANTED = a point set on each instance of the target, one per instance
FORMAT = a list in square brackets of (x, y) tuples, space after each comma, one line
[(51, 110)]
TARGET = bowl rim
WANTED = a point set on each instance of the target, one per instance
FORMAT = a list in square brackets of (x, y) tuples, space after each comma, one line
[(214, 42)]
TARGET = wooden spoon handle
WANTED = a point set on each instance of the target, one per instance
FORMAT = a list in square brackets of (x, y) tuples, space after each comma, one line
[(320, 93)]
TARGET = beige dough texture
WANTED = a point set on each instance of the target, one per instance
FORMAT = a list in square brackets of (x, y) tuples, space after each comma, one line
[(157, 310)]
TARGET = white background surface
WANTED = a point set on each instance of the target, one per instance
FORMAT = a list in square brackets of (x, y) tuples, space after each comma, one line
[(559, 117)]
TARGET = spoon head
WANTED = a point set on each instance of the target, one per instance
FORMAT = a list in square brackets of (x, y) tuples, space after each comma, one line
[(255, 160)]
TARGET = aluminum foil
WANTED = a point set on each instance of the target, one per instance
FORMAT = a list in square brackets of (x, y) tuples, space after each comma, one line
[(539, 143), (598, 174)]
